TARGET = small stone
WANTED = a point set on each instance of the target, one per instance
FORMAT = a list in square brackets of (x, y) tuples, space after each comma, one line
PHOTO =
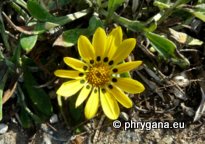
[(181, 80), (109, 129), (14, 120), (124, 116), (54, 119), (46, 139), (188, 110), (167, 140), (3, 128), (183, 141)]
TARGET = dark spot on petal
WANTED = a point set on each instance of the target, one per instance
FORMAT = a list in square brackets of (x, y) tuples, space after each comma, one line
[(115, 70), (91, 61), (85, 67), (81, 74), (82, 81), (98, 58), (95, 91), (111, 62), (88, 86), (103, 91), (105, 59), (114, 80), (110, 87)]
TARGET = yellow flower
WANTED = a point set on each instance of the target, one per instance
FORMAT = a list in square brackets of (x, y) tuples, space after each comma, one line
[(97, 75)]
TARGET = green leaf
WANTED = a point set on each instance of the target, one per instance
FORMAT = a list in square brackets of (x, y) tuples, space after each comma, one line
[(184, 38), (164, 46), (41, 27), (25, 118), (133, 25), (49, 21), (200, 7), (197, 11), (2, 84), (70, 37), (94, 23), (38, 97), (167, 49), (76, 114), (199, 15), (161, 5), (180, 2), (112, 6), (28, 42), (201, 1), (38, 12)]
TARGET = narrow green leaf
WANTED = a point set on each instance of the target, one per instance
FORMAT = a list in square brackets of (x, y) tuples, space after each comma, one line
[(201, 1), (184, 38), (70, 37), (40, 13), (20, 10), (4, 36), (70, 17), (26, 120), (76, 114), (197, 11), (167, 49), (198, 14), (37, 11), (41, 27), (161, 5), (2, 84), (22, 3), (200, 7), (94, 23), (112, 6), (27, 117), (38, 97), (28, 42), (133, 25)]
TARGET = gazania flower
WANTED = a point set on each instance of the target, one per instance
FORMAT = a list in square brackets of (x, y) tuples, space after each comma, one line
[(97, 76)]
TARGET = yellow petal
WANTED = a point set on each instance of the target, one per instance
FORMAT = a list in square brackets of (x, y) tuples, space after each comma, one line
[(68, 74), (75, 64), (120, 96), (92, 104), (83, 95), (99, 41), (69, 88), (85, 48), (129, 85), (126, 67), (109, 105), (113, 42), (124, 50)]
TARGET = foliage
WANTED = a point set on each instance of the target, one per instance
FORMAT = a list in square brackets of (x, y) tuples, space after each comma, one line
[(37, 34)]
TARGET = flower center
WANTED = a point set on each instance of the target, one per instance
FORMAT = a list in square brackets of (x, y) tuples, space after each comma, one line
[(98, 75)]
